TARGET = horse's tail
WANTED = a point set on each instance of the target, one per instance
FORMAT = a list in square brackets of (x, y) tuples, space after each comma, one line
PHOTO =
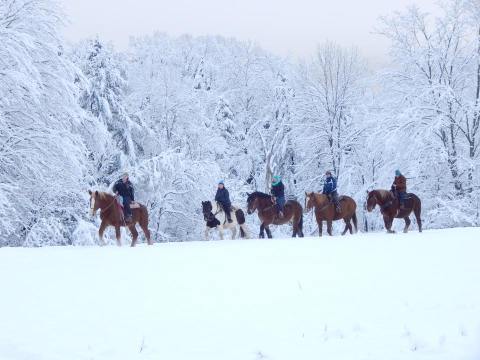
[(417, 210), (354, 219), (241, 222), (240, 217)]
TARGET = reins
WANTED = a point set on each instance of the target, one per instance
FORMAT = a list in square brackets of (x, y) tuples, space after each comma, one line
[(122, 218)]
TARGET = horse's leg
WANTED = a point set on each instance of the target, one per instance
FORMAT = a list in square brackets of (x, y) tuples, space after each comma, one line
[(147, 235), (300, 226), (417, 211), (346, 226), (350, 228), (144, 227), (118, 235), (295, 230), (407, 224), (134, 233), (262, 234), (103, 226), (388, 224), (320, 228), (244, 230), (220, 231), (329, 227), (207, 230), (234, 231), (269, 233)]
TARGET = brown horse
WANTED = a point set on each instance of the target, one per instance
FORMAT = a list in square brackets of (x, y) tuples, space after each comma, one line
[(267, 213), (111, 215), (390, 208), (325, 211)]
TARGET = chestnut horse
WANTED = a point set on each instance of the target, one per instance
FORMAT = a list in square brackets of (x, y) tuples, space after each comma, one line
[(267, 213), (390, 208), (325, 211), (111, 215)]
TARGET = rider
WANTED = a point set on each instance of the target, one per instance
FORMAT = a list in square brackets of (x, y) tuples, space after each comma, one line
[(278, 193), (124, 188), (399, 187), (223, 198), (330, 189)]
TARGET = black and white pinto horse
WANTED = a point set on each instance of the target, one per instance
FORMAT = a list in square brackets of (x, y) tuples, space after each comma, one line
[(215, 218)]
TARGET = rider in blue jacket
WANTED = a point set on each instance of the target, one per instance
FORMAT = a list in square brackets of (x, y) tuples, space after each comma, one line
[(330, 189), (223, 198)]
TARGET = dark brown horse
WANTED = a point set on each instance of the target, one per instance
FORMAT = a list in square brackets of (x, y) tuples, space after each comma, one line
[(267, 213), (390, 208), (325, 211), (111, 215)]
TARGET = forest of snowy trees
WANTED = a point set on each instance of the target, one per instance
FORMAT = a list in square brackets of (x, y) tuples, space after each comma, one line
[(179, 113)]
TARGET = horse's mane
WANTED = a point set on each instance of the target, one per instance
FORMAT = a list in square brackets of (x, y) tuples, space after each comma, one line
[(104, 195), (383, 194), (258, 194)]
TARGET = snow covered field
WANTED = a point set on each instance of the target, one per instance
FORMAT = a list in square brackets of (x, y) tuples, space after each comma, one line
[(374, 296)]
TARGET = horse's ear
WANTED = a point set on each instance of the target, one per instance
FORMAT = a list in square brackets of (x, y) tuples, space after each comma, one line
[(90, 192), (96, 193)]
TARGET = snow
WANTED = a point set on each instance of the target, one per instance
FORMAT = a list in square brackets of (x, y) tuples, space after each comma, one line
[(369, 296)]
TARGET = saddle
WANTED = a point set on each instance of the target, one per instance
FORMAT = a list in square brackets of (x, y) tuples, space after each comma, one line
[(133, 205)]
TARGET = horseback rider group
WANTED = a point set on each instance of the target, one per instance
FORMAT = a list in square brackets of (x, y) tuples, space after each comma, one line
[(124, 189)]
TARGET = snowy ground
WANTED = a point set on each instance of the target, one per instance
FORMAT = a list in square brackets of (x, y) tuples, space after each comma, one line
[(374, 296)]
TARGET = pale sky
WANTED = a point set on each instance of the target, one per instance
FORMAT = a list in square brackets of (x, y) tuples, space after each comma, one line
[(285, 27)]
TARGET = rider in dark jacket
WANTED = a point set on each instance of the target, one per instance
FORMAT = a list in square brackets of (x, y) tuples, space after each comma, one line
[(330, 189), (399, 187), (223, 198), (124, 188), (278, 192)]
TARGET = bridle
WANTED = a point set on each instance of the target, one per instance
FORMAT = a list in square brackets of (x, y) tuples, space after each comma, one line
[(386, 205), (315, 203), (92, 206)]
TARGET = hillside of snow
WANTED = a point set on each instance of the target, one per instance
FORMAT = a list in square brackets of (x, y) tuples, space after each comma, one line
[(370, 296)]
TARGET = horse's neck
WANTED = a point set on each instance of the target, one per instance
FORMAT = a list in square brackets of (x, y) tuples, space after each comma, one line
[(265, 204), (108, 205), (383, 196), (107, 201), (320, 199)]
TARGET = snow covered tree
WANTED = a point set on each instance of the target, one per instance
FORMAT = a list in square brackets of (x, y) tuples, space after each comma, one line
[(103, 84), (437, 87), (42, 161)]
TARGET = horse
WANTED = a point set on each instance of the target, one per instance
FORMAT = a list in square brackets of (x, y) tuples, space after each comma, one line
[(217, 219), (267, 213), (325, 210), (390, 208), (111, 214)]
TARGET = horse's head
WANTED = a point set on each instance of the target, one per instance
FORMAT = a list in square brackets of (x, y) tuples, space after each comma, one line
[(371, 200), (251, 203), (309, 201), (94, 203), (207, 210)]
